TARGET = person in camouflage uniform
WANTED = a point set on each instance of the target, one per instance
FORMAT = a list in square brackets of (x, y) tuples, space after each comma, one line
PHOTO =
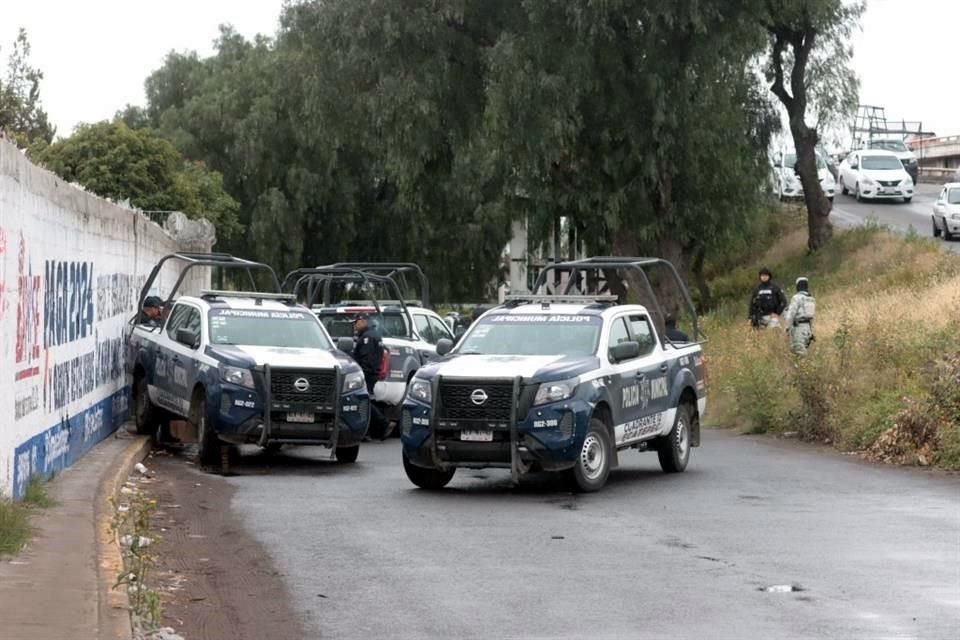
[(799, 317)]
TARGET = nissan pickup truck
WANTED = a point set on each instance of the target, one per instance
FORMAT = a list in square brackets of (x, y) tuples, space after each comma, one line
[(556, 382), (246, 367)]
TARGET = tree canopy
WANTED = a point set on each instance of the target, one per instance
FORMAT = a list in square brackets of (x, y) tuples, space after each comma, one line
[(115, 161), (21, 111), (422, 130)]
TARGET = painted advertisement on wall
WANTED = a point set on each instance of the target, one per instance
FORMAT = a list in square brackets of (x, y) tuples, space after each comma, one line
[(69, 370), (71, 268)]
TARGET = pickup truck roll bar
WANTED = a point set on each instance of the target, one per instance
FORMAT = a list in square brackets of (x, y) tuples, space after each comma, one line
[(318, 280), (581, 274), (394, 271), (193, 260)]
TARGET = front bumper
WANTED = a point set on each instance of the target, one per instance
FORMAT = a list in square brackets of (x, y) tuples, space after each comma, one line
[(244, 415), (548, 438), (875, 192)]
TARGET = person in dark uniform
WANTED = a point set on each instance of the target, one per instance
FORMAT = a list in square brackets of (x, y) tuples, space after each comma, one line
[(670, 329), (367, 351), (152, 311), (767, 302)]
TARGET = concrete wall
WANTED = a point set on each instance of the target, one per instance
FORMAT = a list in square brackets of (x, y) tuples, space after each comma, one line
[(71, 268)]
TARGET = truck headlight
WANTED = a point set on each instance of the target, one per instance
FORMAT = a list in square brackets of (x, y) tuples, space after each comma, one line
[(353, 381), (236, 375), (420, 390), (555, 391)]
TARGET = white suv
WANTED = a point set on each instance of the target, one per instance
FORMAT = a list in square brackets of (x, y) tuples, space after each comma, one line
[(787, 182)]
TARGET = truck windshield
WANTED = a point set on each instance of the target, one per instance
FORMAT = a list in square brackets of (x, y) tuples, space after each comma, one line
[(889, 145), (256, 328), (533, 335)]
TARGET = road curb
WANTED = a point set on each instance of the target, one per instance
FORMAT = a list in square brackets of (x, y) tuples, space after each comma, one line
[(113, 605)]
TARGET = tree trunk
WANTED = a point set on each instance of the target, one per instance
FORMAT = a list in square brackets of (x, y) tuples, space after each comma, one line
[(696, 270), (819, 227)]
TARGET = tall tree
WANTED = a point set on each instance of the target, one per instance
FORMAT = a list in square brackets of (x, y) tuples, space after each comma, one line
[(21, 111), (810, 74), (117, 162)]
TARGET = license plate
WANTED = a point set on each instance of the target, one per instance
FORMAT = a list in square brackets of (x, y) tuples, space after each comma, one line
[(299, 417), (890, 191), (476, 436)]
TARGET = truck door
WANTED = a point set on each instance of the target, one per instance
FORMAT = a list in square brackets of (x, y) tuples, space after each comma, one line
[(623, 386), (174, 369), (653, 381)]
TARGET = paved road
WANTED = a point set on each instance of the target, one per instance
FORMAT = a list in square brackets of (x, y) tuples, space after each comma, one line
[(875, 549), (847, 212)]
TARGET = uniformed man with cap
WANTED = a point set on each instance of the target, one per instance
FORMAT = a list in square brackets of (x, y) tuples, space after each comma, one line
[(767, 302), (152, 311), (367, 350), (799, 317)]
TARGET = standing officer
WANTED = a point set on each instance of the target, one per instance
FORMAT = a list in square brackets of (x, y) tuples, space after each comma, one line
[(367, 351), (767, 302), (799, 318)]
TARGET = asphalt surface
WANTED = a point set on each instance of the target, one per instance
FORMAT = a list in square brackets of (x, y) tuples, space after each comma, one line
[(896, 214), (875, 550)]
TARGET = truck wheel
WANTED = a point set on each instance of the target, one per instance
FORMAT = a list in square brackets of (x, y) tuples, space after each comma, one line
[(592, 468), (429, 479), (207, 438), (936, 229), (347, 455), (146, 414), (673, 449)]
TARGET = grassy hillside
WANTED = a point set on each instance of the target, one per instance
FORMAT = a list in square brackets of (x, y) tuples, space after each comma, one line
[(882, 378)]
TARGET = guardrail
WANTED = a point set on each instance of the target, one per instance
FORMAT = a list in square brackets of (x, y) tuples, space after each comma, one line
[(936, 174)]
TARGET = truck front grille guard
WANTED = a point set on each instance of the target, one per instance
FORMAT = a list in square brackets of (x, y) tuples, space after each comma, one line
[(517, 466), (268, 409)]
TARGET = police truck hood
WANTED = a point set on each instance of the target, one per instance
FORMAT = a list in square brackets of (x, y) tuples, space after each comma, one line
[(510, 366), (284, 357)]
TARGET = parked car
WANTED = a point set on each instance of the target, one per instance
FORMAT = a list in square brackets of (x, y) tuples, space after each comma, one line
[(786, 181), (900, 149), (875, 174), (556, 383), (946, 212)]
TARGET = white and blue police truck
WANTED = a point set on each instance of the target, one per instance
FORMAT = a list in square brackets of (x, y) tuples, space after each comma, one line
[(245, 367), (557, 382)]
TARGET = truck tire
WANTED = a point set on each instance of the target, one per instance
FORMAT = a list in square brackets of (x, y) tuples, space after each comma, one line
[(592, 468), (429, 479), (936, 229), (207, 440), (347, 455), (673, 449), (146, 415)]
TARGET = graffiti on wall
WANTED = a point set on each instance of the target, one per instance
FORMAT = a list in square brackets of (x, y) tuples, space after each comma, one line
[(28, 317), (72, 379), (117, 294), (68, 302)]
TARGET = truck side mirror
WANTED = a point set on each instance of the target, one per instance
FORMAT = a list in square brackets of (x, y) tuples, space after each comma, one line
[(625, 351), (444, 345), (188, 338), (345, 345)]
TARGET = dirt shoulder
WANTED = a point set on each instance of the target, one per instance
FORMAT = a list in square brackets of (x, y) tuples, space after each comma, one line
[(216, 581)]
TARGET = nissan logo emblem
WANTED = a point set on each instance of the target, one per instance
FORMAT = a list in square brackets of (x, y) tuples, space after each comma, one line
[(301, 384), (478, 397)]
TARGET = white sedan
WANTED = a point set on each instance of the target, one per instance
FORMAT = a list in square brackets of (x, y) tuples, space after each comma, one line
[(875, 174), (946, 212)]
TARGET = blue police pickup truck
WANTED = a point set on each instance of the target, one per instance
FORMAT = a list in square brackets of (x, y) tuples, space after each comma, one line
[(556, 382), (246, 367)]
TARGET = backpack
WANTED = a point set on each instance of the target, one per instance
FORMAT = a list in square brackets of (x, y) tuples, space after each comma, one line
[(807, 308)]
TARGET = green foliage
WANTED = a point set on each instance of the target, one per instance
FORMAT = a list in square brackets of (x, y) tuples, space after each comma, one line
[(36, 495), (422, 130), (21, 112), (875, 381), (14, 527), (117, 162)]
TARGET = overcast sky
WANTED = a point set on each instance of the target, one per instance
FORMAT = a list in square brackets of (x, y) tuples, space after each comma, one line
[(95, 54)]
